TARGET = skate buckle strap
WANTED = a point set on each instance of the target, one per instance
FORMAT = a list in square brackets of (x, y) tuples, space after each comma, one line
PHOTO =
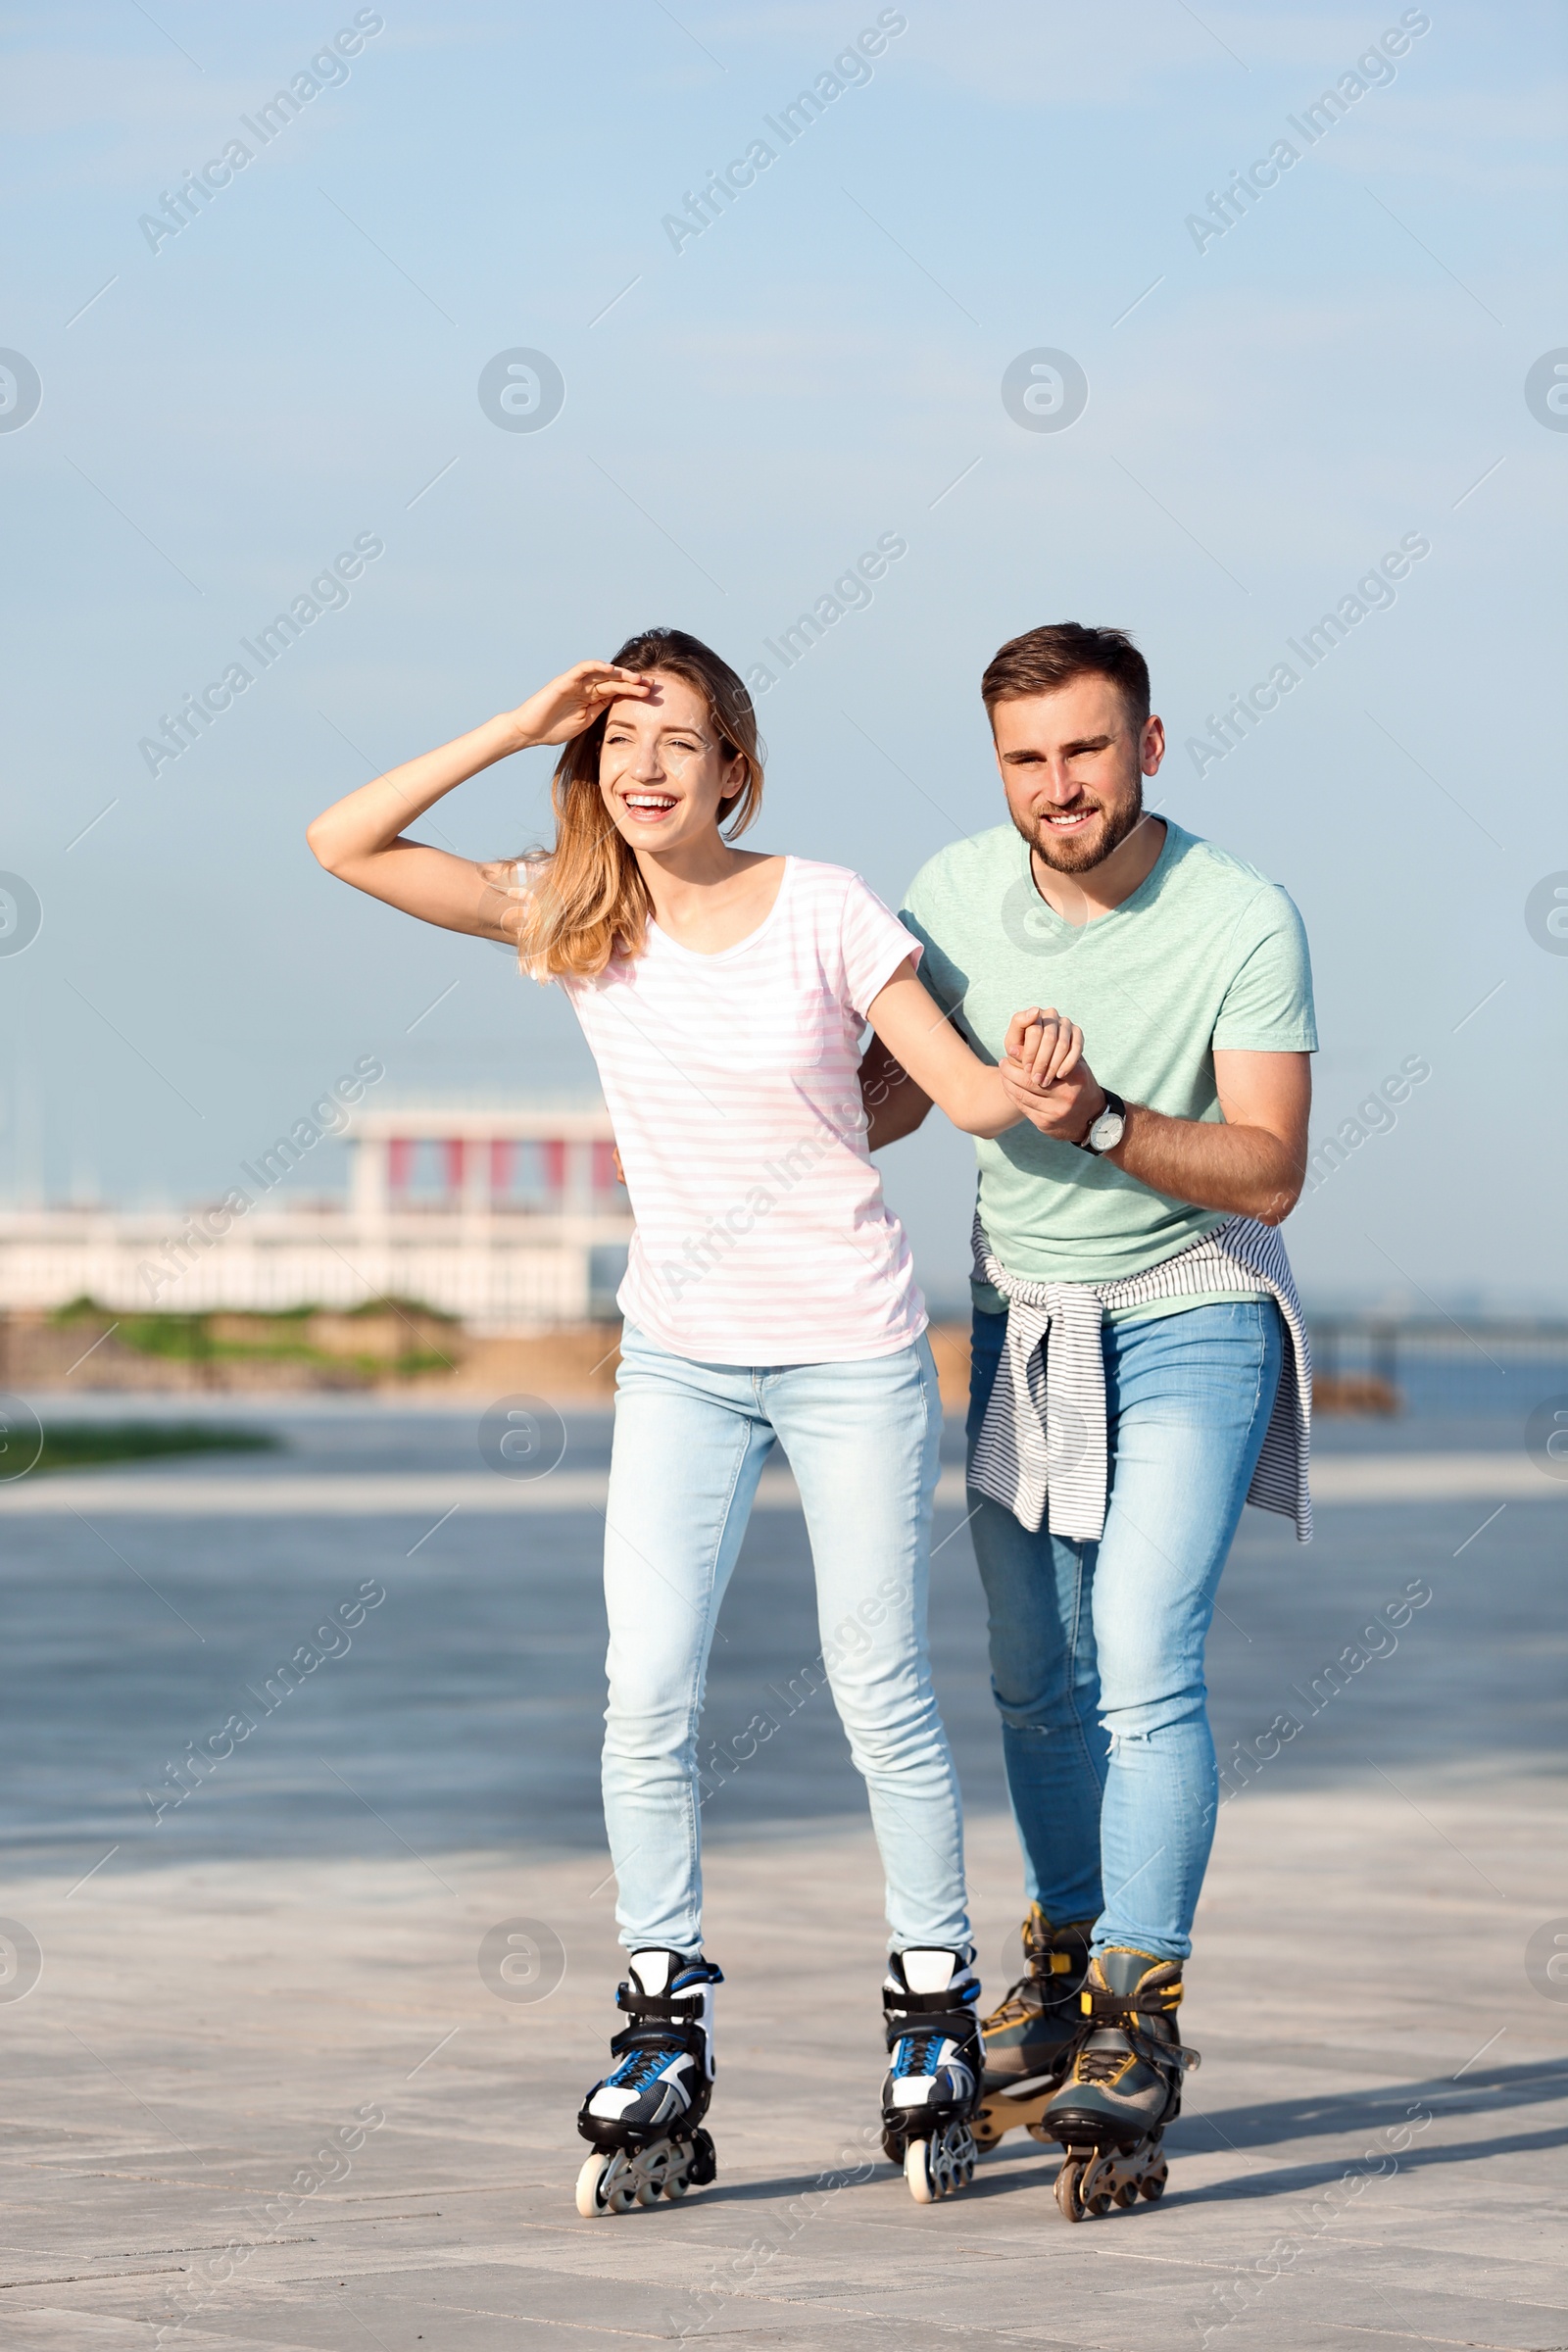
[(1168, 2053), (674, 2007), (1147, 2045), (1158, 1993), (669, 2039), (925, 2004)]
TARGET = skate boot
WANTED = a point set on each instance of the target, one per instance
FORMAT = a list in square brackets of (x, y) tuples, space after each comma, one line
[(645, 2118), (1124, 2085), (928, 2099), (1028, 2038)]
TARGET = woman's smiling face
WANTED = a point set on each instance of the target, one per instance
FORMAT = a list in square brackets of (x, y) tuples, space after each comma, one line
[(663, 772)]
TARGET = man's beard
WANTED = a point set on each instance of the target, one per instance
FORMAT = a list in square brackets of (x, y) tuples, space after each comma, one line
[(1076, 853)]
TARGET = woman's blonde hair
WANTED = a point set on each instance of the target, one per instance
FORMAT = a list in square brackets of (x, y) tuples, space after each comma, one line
[(585, 901)]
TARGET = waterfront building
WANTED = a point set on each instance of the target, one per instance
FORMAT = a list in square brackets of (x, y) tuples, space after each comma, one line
[(506, 1215)]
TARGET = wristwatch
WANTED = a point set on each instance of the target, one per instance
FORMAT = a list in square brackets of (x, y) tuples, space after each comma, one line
[(1109, 1129)]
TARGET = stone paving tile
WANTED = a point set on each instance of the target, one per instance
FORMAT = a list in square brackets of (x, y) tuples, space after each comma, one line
[(200, 2029), (301, 1940)]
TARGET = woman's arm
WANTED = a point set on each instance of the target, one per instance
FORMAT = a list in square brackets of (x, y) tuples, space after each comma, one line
[(894, 1104), (360, 838), (922, 1041)]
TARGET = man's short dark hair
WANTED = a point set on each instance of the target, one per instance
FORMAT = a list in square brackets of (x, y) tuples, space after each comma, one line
[(1043, 660)]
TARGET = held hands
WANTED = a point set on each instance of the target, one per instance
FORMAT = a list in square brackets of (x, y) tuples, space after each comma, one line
[(1046, 1077), (571, 704)]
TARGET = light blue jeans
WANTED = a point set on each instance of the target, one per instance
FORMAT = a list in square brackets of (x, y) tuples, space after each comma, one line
[(690, 1442), (1097, 1648)]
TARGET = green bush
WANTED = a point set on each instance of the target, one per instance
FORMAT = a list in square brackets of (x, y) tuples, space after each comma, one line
[(75, 1444)]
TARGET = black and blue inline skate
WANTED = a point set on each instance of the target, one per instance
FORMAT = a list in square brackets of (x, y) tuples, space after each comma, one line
[(933, 2084), (645, 2118)]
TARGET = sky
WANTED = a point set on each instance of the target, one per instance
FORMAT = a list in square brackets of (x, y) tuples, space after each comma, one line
[(1246, 403)]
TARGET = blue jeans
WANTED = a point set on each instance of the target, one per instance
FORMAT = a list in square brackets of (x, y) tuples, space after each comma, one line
[(1097, 1648), (690, 1442)]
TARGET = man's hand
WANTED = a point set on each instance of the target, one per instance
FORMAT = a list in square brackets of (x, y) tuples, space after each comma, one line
[(1046, 1076), (1252, 1162)]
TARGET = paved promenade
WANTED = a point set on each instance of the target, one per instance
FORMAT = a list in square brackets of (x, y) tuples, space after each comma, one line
[(271, 2089)]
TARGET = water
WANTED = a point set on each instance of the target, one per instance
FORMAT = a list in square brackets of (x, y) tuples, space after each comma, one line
[(465, 1710)]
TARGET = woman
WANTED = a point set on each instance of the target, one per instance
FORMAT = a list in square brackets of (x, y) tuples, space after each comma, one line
[(770, 1296)]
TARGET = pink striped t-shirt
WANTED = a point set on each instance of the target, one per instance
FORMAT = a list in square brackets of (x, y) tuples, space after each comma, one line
[(762, 1237)]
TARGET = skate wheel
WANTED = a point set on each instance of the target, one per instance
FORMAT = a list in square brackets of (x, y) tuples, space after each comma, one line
[(606, 2183), (1125, 2195), (1068, 2181), (1153, 2186), (918, 2172), (588, 2179)]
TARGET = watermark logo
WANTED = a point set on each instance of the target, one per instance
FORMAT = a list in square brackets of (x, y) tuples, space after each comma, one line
[(1044, 390), (849, 70), (1373, 1117), (522, 391), (1546, 1437), (1035, 928), (20, 391), (326, 593), (1545, 390), (327, 70), (1547, 1960), (328, 1116), (522, 1436), (21, 1436), (21, 915), (184, 1775), (1372, 592), (1378, 1639), (850, 593), (1373, 70), (1545, 914), (522, 1960), (20, 1960)]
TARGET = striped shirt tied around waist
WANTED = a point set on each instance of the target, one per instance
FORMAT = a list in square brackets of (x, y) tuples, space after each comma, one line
[(1044, 1437)]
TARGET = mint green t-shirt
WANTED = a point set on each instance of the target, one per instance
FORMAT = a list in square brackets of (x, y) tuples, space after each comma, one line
[(1205, 952)]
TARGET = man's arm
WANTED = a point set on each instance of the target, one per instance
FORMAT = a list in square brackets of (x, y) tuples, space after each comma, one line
[(1252, 1165), (895, 1106)]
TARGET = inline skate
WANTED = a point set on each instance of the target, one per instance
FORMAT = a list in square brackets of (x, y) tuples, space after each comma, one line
[(1122, 2087), (929, 2095), (1028, 2039), (644, 2117)]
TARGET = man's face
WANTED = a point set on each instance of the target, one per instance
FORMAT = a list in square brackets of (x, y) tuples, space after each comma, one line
[(1072, 765)]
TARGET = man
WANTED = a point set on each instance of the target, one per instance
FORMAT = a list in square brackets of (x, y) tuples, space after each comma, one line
[(1136, 1339)]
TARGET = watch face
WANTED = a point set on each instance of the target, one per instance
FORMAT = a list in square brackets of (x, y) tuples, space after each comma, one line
[(1105, 1133)]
